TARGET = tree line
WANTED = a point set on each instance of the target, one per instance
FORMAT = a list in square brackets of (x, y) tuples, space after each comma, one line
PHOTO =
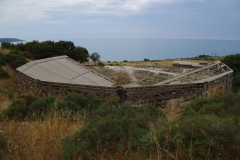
[(46, 49)]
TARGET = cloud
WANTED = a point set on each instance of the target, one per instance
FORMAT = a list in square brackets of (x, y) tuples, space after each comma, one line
[(121, 18), (39, 10)]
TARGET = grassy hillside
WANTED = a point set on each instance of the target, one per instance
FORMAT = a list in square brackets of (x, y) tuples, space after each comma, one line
[(7, 85), (78, 127), (208, 128)]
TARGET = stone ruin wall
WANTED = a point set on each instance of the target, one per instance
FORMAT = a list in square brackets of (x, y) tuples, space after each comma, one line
[(157, 95)]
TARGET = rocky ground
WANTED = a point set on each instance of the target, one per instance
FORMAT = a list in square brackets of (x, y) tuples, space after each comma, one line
[(134, 76)]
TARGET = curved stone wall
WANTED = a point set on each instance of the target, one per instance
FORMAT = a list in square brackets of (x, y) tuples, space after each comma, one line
[(187, 86)]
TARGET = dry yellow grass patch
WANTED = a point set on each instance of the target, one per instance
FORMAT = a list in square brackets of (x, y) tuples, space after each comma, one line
[(4, 51), (4, 103), (37, 140)]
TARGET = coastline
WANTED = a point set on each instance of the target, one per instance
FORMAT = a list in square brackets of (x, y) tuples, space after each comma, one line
[(10, 40)]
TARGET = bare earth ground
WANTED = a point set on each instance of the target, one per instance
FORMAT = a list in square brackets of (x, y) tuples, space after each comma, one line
[(143, 77)]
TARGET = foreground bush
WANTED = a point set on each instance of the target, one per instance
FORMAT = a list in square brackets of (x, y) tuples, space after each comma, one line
[(209, 128), (78, 102), (123, 126), (40, 107), (20, 108), (32, 107)]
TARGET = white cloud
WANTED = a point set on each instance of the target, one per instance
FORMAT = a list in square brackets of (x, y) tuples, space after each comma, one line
[(38, 10)]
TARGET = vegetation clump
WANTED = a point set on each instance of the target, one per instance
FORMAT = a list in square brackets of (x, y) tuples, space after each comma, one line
[(207, 129), (232, 61), (15, 59), (3, 145), (123, 126), (3, 74), (39, 50)]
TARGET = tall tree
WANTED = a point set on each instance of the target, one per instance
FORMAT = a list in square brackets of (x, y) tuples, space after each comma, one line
[(80, 54), (95, 57)]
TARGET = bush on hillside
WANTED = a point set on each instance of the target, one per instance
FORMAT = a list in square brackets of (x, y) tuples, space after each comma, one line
[(20, 108), (68, 105), (199, 103), (78, 99), (3, 146), (79, 102), (40, 107), (15, 59), (28, 55), (3, 74), (17, 63), (203, 137), (123, 126), (236, 83), (113, 101), (101, 64), (2, 61)]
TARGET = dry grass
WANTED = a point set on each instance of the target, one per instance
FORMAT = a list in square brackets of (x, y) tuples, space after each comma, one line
[(37, 140), (5, 102), (166, 62), (142, 63), (9, 84), (120, 78), (4, 51), (174, 108)]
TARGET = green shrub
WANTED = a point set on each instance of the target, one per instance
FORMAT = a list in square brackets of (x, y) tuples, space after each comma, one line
[(123, 126), (15, 59), (199, 134), (236, 83), (12, 55), (3, 74), (28, 55), (40, 107), (113, 101), (212, 109), (78, 99), (67, 105), (90, 102), (20, 108), (3, 146), (101, 64), (93, 102), (208, 129), (188, 111), (17, 63), (2, 61), (199, 103)]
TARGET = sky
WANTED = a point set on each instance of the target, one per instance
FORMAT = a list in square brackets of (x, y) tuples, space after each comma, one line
[(187, 19)]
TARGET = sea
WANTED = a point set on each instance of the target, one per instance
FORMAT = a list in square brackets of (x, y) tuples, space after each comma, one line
[(137, 49)]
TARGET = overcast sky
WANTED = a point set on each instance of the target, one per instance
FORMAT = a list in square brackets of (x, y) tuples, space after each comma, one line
[(198, 19)]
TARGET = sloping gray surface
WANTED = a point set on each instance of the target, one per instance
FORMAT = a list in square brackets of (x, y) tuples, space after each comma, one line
[(62, 69)]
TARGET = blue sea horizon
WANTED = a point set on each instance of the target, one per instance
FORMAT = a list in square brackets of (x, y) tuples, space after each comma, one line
[(136, 49)]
